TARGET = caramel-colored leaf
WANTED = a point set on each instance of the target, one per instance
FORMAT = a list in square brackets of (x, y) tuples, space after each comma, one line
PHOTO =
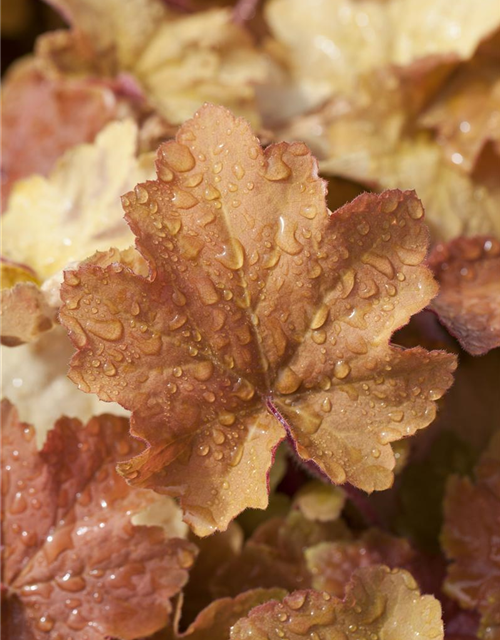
[(465, 113), (379, 603), (26, 314), (44, 117), (215, 622), (339, 40), (333, 563), (274, 555), (470, 539), (72, 559), (319, 501), (262, 312), (468, 304)]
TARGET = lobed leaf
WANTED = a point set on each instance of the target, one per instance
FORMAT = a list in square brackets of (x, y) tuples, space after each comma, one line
[(470, 540), (468, 303), (263, 315), (73, 562), (379, 603)]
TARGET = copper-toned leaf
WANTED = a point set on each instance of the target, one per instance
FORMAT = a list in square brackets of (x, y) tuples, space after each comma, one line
[(262, 311), (274, 555), (470, 539), (466, 113), (26, 314), (72, 559), (332, 563), (215, 622), (56, 114), (468, 304), (379, 604)]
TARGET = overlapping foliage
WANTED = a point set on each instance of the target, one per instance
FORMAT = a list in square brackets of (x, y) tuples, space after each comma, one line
[(255, 334)]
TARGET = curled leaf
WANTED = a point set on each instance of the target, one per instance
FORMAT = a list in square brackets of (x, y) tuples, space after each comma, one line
[(465, 113), (68, 537), (216, 620), (340, 40), (468, 303), (54, 221), (261, 313), (470, 540), (379, 603)]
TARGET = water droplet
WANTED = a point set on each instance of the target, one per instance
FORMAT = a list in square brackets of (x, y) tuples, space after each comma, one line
[(18, 504), (109, 369), (296, 600), (177, 372), (203, 371), (226, 418), (110, 330), (326, 405), (233, 255), (237, 456), (238, 171), (178, 156), (286, 239), (363, 228), (164, 173), (379, 262), (277, 169), (45, 624), (415, 209), (203, 450), (309, 211), (341, 370), (183, 199), (211, 193), (141, 194), (287, 381)]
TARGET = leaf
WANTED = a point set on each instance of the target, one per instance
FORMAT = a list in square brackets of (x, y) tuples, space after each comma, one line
[(470, 540), (274, 555), (333, 563), (380, 602), (465, 112), (76, 210), (34, 378), (70, 214), (177, 61), (57, 113), (468, 303), (72, 560), (262, 311), (319, 501), (215, 622), (341, 40)]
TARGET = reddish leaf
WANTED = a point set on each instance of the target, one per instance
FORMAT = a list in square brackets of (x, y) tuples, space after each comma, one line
[(468, 304), (58, 114), (470, 539), (262, 311), (73, 563)]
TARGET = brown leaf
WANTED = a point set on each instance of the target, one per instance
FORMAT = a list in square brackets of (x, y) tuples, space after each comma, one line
[(25, 313), (262, 311), (216, 620), (470, 540), (468, 304), (379, 603), (71, 555)]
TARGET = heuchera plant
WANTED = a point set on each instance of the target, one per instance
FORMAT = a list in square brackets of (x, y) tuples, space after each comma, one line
[(263, 316)]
